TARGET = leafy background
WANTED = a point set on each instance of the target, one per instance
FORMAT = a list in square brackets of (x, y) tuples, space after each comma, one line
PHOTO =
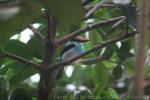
[(108, 79)]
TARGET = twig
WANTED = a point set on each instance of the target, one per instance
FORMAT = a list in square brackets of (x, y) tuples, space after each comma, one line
[(92, 60), (93, 49), (118, 23), (103, 5), (98, 5), (36, 32), (141, 47), (22, 60), (95, 59), (88, 28)]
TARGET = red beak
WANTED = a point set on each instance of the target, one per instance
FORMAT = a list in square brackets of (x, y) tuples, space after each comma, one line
[(81, 39)]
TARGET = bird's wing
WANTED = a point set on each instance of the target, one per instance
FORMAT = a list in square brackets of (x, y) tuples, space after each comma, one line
[(67, 48), (60, 70)]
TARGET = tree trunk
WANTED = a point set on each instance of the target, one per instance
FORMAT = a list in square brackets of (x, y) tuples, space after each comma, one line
[(47, 78)]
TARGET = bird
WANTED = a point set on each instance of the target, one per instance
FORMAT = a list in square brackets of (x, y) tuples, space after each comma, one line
[(72, 48)]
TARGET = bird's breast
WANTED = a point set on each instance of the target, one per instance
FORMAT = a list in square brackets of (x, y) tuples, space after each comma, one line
[(70, 54)]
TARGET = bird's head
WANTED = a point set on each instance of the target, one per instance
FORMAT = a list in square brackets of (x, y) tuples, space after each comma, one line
[(80, 39)]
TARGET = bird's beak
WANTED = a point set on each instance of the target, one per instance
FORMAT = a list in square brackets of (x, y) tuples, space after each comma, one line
[(83, 39)]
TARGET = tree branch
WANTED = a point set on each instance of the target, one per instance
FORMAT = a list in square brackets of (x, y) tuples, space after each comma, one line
[(93, 49), (103, 5), (141, 47), (36, 32), (46, 78), (92, 60), (88, 28), (98, 5), (22, 60)]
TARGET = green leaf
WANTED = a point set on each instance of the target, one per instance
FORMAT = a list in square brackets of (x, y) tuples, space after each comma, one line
[(36, 60), (1, 58), (9, 74), (21, 75), (88, 46), (125, 45), (100, 78), (129, 65), (118, 71), (18, 72), (12, 66), (124, 51), (18, 17), (18, 48), (95, 38), (85, 95), (20, 94), (80, 75), (113, 94), (109, 94), (3, 89), (35, 46), (109, 51), (67, 12), (69, 96)]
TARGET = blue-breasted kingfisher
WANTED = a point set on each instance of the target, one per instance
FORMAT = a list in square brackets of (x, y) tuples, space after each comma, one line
[(72, 48)]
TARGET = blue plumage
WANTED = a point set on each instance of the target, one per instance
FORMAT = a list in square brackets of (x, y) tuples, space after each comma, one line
[(72, 48)]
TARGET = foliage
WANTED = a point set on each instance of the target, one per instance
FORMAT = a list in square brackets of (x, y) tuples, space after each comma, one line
[(98, 80)]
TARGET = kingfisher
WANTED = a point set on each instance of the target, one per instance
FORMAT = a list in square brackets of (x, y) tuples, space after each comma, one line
[(72, 48)]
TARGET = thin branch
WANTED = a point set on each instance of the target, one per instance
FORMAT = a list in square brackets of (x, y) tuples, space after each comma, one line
[(95, 59), (98, 5), (93, 49), (118, 23), (22, 60), (89, 7), (92, 60), (88, 28), (36, 32)]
